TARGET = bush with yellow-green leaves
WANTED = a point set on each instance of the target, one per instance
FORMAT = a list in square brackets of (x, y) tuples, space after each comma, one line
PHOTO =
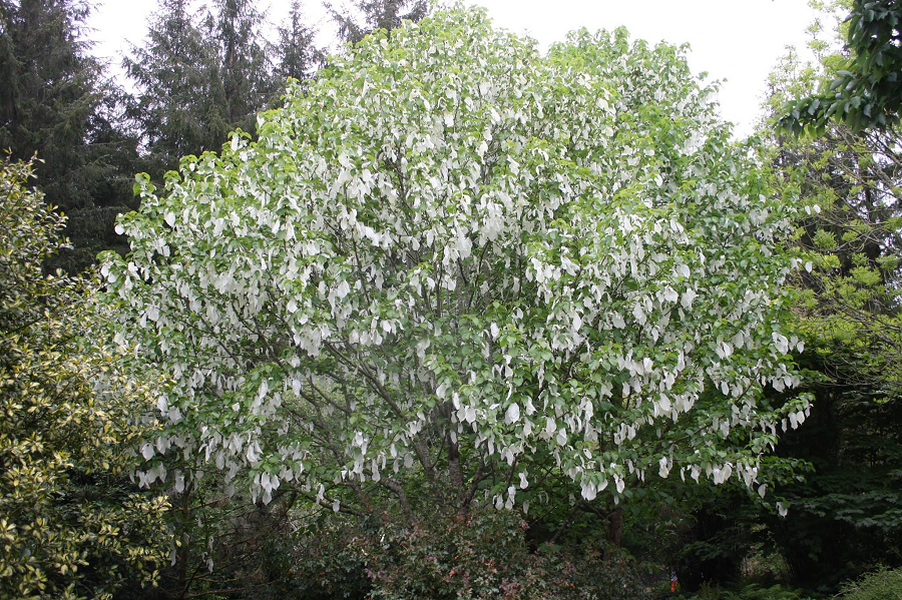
[(71, 523)]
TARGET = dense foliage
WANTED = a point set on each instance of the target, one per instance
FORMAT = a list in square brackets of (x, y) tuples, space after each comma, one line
[(483, 554), (452, 267), (56, 103), (846, 510), (882, 583), (71, 524), (297, 55), (198, 77), (457, 320), (865, 91), (848, 312)]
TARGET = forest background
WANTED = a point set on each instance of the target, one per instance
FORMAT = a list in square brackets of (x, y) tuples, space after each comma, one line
[(80, 424)]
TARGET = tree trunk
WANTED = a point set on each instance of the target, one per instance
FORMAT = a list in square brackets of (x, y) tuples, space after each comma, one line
[(615, 532)]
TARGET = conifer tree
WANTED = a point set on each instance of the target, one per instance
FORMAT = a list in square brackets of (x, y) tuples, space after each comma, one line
[(199, 76), (377, 14), (246, 78), (53, 91), (57, 104), (174, 109), (297, 55)]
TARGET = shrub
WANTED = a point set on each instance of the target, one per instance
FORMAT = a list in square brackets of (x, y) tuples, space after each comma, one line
[(71, 524), (882, 584), (482, 554)]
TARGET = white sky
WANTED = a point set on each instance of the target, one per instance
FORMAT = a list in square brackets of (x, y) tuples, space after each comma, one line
[(738, 41)]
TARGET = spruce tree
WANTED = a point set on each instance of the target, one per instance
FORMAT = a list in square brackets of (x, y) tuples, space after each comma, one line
[(57, 104), (297, 55), (377, 14), (198, 76), (52, 93), (246, 78), (175, 108)]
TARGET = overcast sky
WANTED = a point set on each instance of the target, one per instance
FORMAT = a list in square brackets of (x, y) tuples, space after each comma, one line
[(738, 41)]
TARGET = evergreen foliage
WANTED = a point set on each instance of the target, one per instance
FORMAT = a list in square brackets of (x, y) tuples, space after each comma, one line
[(245, 67), (52, 94), (296, 53), (877, 585), (199, 76), (71, 525), (866, 91), (377, 14), (55, 103)]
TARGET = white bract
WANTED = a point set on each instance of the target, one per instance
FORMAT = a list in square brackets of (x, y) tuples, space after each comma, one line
[(455, 259)]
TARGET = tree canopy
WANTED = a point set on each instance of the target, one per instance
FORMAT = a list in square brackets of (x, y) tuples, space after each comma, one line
[(867, 88), (56, 103), (199, 76), (455, 261)]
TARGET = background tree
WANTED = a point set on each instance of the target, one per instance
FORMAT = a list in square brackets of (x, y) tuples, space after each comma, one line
[(176, 107), (864, 91), (849, 177), (440, 278), (845, 512), (847, 516), (296, 53), (57, 104), (376, 14), (245, 69), (198, 77), (71, 525)]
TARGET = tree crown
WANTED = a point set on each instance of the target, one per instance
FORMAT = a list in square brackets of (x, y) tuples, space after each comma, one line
[(451, 254)]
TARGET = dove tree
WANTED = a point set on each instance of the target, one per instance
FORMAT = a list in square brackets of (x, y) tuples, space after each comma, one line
[(452, 265)]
